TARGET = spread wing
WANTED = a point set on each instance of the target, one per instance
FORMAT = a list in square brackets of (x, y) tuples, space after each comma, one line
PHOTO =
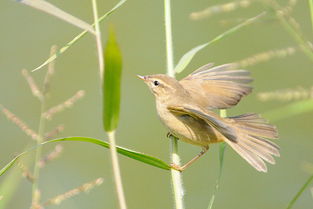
[(218, 87), (210, 118)]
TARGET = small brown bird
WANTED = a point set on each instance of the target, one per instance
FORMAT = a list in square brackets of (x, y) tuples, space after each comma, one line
[(185, 109)]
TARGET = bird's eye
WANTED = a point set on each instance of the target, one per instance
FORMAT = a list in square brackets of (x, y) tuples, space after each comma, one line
[(156, 83)]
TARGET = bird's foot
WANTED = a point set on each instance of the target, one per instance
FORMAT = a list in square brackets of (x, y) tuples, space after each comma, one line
[(169, 135), (176, 167)]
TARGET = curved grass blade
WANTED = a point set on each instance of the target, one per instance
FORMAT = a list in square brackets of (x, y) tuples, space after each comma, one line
[(121, 150), (78, 37), (296, 197), (8, 187), (55, 11), (290, 110), (111, 83), (10, 164), (186, 59)]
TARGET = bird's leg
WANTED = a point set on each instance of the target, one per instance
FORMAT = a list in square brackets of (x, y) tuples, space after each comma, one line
[(182, 168), (170, 135)]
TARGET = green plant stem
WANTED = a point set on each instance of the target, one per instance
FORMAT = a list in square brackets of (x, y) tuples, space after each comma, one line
[(169, 38), (36, 172), (111, 134), (98, 38), (177, 182), (116, 171), (306, 184), (176, 176)]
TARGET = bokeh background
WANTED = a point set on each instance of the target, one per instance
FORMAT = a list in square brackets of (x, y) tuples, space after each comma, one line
[(26, 37)]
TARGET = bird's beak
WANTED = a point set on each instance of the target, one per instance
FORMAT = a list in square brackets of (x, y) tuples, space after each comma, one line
[(141, 77)]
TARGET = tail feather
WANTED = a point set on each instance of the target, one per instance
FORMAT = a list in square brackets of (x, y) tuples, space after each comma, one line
[(251, 144), (253, 123), (258, 150), (250, 157), (267, 145)]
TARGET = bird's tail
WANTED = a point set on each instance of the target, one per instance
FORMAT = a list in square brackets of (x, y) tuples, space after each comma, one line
[(251, 142)]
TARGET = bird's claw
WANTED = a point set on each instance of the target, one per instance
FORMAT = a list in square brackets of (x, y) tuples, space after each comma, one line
[(169, 135), (176, 167)]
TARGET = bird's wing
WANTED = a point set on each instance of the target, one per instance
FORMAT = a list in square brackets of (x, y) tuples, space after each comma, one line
[(209, 118), (218, 87)]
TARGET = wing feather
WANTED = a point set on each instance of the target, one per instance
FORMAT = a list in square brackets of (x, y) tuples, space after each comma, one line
[(218, 87)]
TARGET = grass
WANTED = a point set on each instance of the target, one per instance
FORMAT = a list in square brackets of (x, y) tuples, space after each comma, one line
[(110, 74)]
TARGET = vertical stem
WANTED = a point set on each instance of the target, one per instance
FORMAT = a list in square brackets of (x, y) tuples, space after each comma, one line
[(98, 39), (116, 171), (41, 130), (168, 38), (111, 134), (42, 123), (177, 182)]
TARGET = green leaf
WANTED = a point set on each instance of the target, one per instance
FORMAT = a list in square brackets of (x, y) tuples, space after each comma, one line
[(57, 12), (111, 83), (186, 58), (78, 37), (296, 197), (289, 110), (10, 164), (9, 186), (123, 151)]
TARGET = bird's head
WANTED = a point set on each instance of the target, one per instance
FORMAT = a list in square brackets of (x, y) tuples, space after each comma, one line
[(162, 86)]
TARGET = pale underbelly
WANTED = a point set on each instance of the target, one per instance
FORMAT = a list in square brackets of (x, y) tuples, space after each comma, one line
[(191, 130)]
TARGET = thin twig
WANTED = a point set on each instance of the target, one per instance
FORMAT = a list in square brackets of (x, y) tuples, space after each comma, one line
[(74, 192), (67, 104), (32, 84), (169, 38), (220, 8), (26, 172), (98, 39), (116, 171), (51, 156), (41, 131), (50, 72), (57, 130), (266, 56), (176, 175), (21, 124)]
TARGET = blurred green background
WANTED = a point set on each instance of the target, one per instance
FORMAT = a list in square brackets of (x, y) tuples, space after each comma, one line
[(26, 37)]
